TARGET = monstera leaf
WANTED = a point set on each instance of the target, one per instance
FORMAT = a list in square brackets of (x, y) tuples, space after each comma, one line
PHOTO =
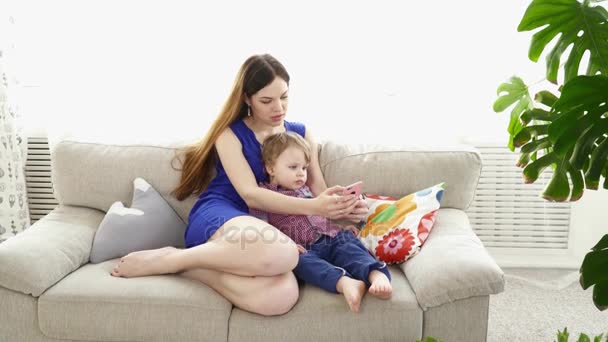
[(516, 91), (579, 24), (593, 272), (572, 134), (580, 127)]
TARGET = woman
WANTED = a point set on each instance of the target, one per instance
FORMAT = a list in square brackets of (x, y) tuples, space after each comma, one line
[(240, 256)]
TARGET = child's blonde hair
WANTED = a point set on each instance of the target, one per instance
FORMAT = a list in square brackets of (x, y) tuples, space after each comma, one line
[(276, 143)]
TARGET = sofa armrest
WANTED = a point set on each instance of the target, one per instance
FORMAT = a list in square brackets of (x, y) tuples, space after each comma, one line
[(50, 249), (401, 170), (452, 264)]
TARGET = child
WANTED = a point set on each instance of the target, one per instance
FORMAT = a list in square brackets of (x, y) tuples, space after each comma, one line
[(331, 256)]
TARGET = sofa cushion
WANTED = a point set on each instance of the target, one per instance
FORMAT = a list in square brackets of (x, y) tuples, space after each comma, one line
[(396, 171), (108, 172), (453, 264), (90, 304), (395, 231), (322, 316), (149, 223), (50, 249)]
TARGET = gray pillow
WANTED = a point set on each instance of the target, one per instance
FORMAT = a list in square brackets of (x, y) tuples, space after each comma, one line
[(149, 223)]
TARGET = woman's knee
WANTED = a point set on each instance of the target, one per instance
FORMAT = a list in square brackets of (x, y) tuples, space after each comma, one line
[(280, 296)]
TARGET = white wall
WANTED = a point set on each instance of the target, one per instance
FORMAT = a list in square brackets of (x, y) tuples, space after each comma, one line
[(589, 221), (425, 70), (392, 71)]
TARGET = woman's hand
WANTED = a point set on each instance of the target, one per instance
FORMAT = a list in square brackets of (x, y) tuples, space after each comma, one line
[(358, 213), (331, 204)]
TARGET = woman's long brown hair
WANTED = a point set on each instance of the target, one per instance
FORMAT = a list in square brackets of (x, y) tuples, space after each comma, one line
[(199, 159)]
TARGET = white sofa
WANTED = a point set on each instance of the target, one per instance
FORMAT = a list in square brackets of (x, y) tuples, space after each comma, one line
[(49, 291)]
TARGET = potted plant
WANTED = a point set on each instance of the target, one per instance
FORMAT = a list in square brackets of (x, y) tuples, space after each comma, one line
[(566, 130)]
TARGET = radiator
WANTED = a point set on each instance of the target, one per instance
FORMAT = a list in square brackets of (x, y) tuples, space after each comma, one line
[(38, 178), (506, 213)]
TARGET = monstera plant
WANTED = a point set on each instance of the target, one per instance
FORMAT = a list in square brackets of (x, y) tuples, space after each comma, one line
[(566, 129)]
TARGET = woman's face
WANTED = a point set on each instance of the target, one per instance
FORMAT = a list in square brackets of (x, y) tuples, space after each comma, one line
[(269, 105)]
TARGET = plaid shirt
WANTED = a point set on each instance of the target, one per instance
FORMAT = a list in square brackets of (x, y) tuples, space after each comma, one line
[(302, 229)]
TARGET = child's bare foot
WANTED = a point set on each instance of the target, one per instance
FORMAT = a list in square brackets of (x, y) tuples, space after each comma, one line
[(144, 263), (381, 286), (353, 291)]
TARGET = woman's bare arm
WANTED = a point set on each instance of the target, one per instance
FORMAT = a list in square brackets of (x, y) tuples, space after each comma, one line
[(239, 172), (315, 181)]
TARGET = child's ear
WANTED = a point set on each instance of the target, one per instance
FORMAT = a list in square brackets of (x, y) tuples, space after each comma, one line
[(269, 170)]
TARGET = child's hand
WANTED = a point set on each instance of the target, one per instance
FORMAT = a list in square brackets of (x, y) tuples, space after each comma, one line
[(352, 229), (301, 249)]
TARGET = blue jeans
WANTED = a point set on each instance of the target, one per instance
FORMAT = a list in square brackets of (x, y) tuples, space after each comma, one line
[(328, 259)]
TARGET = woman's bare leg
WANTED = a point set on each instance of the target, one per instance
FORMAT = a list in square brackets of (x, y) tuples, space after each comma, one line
[(244, 246), (267, 296)]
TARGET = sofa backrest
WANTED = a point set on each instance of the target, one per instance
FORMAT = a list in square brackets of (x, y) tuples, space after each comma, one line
[(398, 170), (96, 175)]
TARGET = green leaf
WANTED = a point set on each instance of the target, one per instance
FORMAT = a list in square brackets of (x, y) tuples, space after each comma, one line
[(534, 169), (599, 156), (600, 296), (584, 95), (535, 114), (583, 338), (523, 160), (593, 270), (602, 244), (558, 188), (570, 135), (536, 145), (527, 133), (578, 184), (568, 18), (562, 336), (586, 142), (546, 97), (579, 127), (516, 92)]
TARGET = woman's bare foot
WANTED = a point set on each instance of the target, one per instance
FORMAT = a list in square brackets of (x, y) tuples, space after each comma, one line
[(353, 291), (144, 263), (381, 286)]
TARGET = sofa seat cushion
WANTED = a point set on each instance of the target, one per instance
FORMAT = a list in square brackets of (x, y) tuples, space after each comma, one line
[(90, 304), (322, 316)]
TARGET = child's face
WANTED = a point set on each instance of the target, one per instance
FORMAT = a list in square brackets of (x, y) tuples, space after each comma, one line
[(290, 169)]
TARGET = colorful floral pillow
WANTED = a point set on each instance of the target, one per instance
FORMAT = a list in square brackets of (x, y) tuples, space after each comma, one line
[(395, 230)]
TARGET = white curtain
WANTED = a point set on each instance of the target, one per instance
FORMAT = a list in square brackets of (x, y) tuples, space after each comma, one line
[(14, 213)]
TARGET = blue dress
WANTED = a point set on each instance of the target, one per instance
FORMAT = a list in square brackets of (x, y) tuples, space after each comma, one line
[(221, 202)]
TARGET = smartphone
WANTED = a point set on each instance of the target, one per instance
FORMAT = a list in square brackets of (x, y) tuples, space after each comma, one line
[(354, 189)]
